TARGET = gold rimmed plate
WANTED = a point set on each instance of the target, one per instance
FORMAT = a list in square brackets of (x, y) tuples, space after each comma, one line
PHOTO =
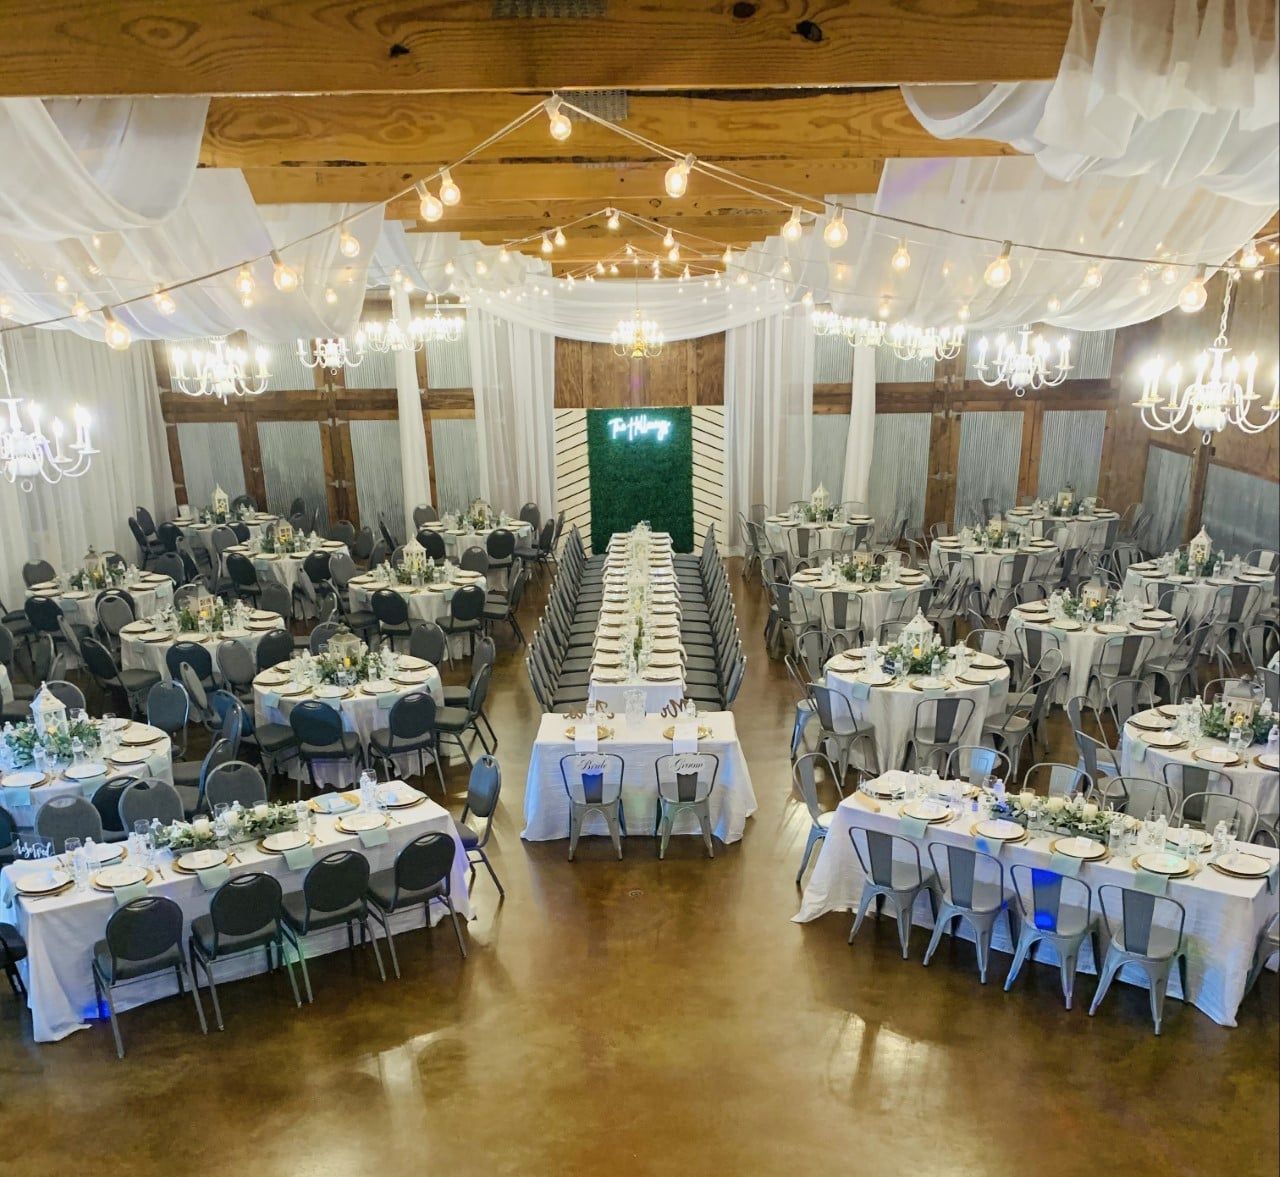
[(1163, 862), (1086, 849), (1238, 865), (194, 861), (1234, 761), (669, 733), (603, 733), (121, 875), (282, 841), (926, 809), (39, 883), (998, 829), (360, 823)]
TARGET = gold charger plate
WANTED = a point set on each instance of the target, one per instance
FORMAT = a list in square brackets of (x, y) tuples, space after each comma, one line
[(311, 841), (572, 730), (1151, 727), (147, 880), (186, 870), (1235, 762), (669, 733), (1265, 767), (1012, 840), (1058, 844), (141, 741), (1250, 875), (1185, 872), (295, 692)]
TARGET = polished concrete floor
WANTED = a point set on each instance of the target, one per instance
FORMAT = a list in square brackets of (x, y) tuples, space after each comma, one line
[(645, 1017)]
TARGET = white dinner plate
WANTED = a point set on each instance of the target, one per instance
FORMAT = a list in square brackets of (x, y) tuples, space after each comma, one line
[(999, 828), (354, 823), (1161, 862), (923, 809), (1237, 862), (1216, 755), (25, 779), (40, 882), (85, 772), (1080, 847), (1161, 740), (123, 875), (197, 860), (284, 840)]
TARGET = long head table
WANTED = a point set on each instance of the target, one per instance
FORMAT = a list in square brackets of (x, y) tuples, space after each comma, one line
[(61, 930), (1224, 915)]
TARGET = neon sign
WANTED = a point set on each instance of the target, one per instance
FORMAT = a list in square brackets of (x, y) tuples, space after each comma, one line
[(639, 427)]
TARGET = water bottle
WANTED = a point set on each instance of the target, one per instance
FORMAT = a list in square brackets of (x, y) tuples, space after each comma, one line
[(935, 666), (1221, 839), (1161, 831), (1115, 834)]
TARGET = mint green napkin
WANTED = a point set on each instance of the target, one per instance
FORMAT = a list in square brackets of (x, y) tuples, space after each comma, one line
[(130, 893), (912, 827), (300, 858), (934, 692), (333, 803), (212, 877), (1137, 749), (387, 701), (1145, 880), (1273, 878), (375, 837), (860, 690), (271, 698), (1065, 864), (18, 796), (334, 704)]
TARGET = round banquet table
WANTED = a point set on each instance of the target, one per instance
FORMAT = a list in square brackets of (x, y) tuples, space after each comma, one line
[(986, 563), (1251, 781), (144, 648), (825, 535), (811, 586), (426, 602), (152, 592), (458, 539), (1203, 590), (1082, 648), (362, 712), (286, 567), (892, 708), (1077, 531), (143, 751), (202, 533)]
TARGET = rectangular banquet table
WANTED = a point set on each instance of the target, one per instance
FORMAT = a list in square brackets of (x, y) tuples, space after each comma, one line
[(546, 805), (61, 930), (1224, 915)]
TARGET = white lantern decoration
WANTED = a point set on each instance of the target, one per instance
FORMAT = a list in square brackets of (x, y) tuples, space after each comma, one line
[(918, 633), (221, 501), (820, 500), (94, 565), (1200, 549), (48, 712)]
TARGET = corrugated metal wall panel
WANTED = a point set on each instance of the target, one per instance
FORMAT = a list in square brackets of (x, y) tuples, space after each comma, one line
[(375, 449), (1241, 512), (457, 453), (210, 457), (292, 465), (990, 449), (1165, 495), (1071, 451)]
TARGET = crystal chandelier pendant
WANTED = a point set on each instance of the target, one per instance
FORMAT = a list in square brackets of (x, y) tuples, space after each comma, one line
[(28, 453)]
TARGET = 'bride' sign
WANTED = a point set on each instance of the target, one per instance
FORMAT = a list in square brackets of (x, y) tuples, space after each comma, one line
[(638, 427)]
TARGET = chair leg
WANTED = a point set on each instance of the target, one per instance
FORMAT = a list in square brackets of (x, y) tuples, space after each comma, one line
[(1159, 982), (704, 820), (982, 941), (195, 994), (457, 927), (813, 839), (1068, 969), (867, 896), (385, 920), (904, 928), (939, 926), (575, 831), (668, 820), (1023, 950), (611, 818), (306, 975), (115, 1027), (493, 874), (288, 968), (366, 930), (1109, 969)]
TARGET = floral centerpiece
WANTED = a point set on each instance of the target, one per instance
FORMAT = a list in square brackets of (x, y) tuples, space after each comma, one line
[(203, 615), (820, 509), (242, 825), (346, 660), (415, 566), (281, 538), (1251, 723), (862, 567), (1073, 816), (1092, 604), (479, 515), (1065, 503), (1196, 559), (917, 651), (106, 576), (21, 740)]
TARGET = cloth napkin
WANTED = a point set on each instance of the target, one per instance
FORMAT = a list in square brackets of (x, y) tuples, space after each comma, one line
[(991, 846), (375, 837), (912, 827), (586, 738), (686, 738), (1273, 879), (860, 690), (1145, 880), (17, 796), (1137, 749), (130, 893), (934, 692), (1065, 864), (212, 877), (333, 803), (865, 802), (300, 858), (389, 700), (271, 698)]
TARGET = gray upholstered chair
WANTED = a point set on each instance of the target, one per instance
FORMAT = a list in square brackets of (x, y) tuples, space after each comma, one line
[(147, 799), (484, 790), (232, 781), (65, 817)]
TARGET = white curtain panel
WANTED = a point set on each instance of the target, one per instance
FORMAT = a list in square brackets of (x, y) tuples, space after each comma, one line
[(74, 167), (862, 426), (414, 468), (1153, 88), (513, 379), (118, 389), (768, 402)]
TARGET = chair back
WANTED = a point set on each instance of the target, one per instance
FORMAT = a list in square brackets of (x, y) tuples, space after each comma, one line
[(876, 850), (425, 862), (198, 696), (44, 614), (248, 905), (805, 773), (1122, 655), (320, 636), (65, 817), (150, 798), (500, 544), (532, 515), (475, 559), (686, 777), (1208, 809), (100, 662), (1133, 916), (1196, 778), (1043, 895), (1034, 641), (237, 664), (412, 716), (115, 610), (241, 570), (344, 531), (484, 788), (106, 800), (67, 693), (425, 513), (943, 720), (37, 572), (170, 564), (432, 543), (315, 724), (234, 781), (336, 882), (316, 566), (274, 648), (467, 603), (1057, 780), (840, 610), (592, 778), (835, 713), (427, 641), (1139, 796), (976, 763), (194, 654), (389, 607), (966, 872), (146, 928)]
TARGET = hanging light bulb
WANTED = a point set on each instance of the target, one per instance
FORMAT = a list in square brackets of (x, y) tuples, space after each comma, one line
[(612, 222), (60, 284), (629, 249), (673, 254), (1168, 275), (668, 240), (793, 229), (330, 295), (348, 245), (560, 126), (163, 301), (246, 299), (963, 313), (836, 234), (999, 272), (450, 193), (785, 268), (115, 332), (285, 278), (727, 256), (546, 243), (884, 308), (1250, 258), (1093, 277), (613, 269), (599, 267), (807, 298), (559, 239), (1193, 295), (1053, 304), (6, 309), (504, 254), (901, 260), (684, 274), (244, 281), (656, 268), (676, 180), (1144, 285), (80, 309), (406, 284), (481, 268), (428, 205)]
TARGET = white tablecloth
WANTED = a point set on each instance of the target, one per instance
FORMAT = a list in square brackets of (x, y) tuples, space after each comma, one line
[(60, 931), (986, 564), (1224, 915), (361, 713), (822, 535), (136, 653), (458, 540), (1203, 592), (1250, 781), (151, 594), (892, 709), (1077, 531), (159, 763), (430, 603), (875, 598), (546, 805), (202, 533), (286, 567)]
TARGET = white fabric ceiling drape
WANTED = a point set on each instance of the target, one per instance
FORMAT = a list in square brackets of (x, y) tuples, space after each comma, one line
[(862, 427), (768, 402), (1150, 88), (415, 470), (58, 523), (74, 167), (513, 379)]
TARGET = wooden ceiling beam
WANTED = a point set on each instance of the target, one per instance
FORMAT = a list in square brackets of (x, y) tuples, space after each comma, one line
[(86, 47), (725, 230), (425, 131)]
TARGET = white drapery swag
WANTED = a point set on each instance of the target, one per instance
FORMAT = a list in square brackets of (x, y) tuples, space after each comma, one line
[(768, 403), (1147, 87), (862, 427), (58, 523), (415, 469), (75, 167), (513, 380)]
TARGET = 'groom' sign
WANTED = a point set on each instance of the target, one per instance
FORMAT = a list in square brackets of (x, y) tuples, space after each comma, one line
[(638, 427)]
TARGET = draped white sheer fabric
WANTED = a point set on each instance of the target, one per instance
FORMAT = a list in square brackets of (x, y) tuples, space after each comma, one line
[(513, 379), (1146, 88), (58, 523), (415, 470), (74, 167), (862, 427), (768, 401)]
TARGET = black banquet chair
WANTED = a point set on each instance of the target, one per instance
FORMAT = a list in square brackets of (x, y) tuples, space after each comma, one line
[(421, 875)]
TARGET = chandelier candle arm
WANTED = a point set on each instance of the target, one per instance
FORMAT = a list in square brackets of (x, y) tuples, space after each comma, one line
[(28, 454), (219, 370), (1028, 364)]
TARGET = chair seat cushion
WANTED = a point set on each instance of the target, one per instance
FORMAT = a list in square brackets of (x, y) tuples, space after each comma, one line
[(297, 917), (348, 745), (457, 696), (202, 934), (138, 680), (466, 835), (382, 890), (380, 741), (273, 737), (126, 969), (452, 719)]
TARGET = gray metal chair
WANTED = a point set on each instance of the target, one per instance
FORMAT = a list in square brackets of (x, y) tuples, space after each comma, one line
[(245, 914), (322, 739), (1056, 910), (976, 763), (149, 799), (334, 895), (1122, 656), (189, 778), (804, 772), (1053, 779), (888, 877), (1191, 779), (421, 874), (1206, 810), (142, 938), (840, 727), (593, 784), (938, 725), (977, 901), (1137, 796), (65, 817), (685, 784), (411, 727), (484, 790), (1137, 937), (233, 781)]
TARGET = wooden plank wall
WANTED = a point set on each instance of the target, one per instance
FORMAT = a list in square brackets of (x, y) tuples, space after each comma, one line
[(591, 376)]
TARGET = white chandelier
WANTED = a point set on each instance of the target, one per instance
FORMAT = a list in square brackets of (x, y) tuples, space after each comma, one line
[(637, 337), (392, 337), (1215, 398), (220, 371), (908, 342), (332, 354), (1026, 364), (28, 454)]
